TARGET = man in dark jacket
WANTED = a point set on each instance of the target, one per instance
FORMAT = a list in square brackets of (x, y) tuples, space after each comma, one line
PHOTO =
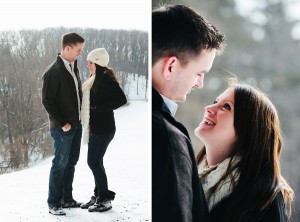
[(184, 45), (61, 97)]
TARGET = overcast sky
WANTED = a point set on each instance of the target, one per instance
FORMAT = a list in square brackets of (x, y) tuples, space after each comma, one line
[(110, 14)]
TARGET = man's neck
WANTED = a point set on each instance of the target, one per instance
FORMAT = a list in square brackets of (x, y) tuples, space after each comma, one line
[(63, 55)]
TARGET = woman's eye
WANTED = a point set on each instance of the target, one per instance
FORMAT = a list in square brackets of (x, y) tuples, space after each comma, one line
[(215, 102), (227, 106)]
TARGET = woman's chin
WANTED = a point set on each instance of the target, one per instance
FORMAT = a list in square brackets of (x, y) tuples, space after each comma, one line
[(197, 132)]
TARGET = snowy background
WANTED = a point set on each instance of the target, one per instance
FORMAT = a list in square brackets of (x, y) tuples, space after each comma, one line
[(136, 87), (127, 161)]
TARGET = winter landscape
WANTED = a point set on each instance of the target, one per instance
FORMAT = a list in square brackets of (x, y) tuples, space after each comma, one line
[(127, 160)]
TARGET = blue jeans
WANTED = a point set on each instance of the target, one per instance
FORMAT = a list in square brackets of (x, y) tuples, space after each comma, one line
[(66, 155), (97, 146)]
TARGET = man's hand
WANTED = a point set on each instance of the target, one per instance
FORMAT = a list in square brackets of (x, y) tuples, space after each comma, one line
[(66, 127)]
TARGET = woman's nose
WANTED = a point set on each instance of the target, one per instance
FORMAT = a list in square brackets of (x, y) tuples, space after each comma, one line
[(211, 109)]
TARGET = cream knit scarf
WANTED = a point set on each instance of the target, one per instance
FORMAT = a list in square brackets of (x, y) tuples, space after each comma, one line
[(209, 177), (85, 108)]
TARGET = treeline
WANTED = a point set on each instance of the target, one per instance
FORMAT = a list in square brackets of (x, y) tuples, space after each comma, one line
[(24, 55)]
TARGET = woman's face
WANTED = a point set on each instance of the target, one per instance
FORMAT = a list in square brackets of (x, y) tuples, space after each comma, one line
[(217, 127), (92, 67)]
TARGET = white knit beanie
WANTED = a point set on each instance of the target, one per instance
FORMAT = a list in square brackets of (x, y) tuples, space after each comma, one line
[(99, 56)]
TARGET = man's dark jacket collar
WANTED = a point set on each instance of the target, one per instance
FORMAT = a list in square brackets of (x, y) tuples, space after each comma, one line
[(159, 104)]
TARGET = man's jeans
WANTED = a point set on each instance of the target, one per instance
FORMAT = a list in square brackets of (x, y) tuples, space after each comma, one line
[(66, 155), (96, 149)]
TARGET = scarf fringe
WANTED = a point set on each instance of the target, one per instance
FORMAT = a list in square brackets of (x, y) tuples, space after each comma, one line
[(210, 176), (85, 108)]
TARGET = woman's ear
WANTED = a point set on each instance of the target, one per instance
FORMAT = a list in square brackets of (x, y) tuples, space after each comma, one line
[(168, 67)]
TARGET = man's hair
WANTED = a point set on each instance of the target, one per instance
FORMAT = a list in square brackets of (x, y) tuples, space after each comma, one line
[(71, 38), (178, 30)]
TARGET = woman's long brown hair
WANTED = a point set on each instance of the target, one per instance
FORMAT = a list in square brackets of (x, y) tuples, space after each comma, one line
[(100, 72), (259, 146)]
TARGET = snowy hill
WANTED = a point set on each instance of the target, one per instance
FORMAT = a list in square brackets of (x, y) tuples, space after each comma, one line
[(24, 194), (136, 87)]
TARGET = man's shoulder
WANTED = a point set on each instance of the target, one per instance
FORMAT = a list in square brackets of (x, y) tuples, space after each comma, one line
[(53, 69), (164, 120), (50, 67), (157, 117), (166, 129), (159, 128)]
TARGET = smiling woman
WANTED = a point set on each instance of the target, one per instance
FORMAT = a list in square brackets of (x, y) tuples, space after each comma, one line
[(217, 128), (240, 158), (111, 14)]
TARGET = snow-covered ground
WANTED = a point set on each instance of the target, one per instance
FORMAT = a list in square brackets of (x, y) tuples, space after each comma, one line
[(23, 194), (136, 87)]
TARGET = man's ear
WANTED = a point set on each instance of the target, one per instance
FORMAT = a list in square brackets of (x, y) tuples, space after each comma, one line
[(168, 67)]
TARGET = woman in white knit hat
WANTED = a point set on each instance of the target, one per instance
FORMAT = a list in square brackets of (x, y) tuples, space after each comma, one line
[(101, 95)]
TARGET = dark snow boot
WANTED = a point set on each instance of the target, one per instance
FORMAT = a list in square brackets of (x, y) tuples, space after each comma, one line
[(103, 202), (90, 203), (71, 204)]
